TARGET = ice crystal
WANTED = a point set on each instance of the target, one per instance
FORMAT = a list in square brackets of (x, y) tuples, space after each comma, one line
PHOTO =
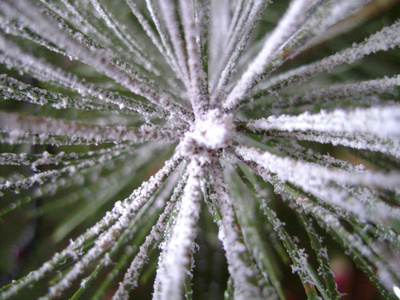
[(152, 136)]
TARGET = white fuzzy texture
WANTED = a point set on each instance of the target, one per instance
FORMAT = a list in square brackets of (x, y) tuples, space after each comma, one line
[(109, 228), (175, 260), (91, 133), (379, 121), (370, 142), (15, 57), (290, 22), (158, 230), (198, 95), (237, 43), (341, 91), (383, 40), (213, 131), (99, 158), (236, 251), (100, 60), (214, 70), (171, 24), (320, 181)]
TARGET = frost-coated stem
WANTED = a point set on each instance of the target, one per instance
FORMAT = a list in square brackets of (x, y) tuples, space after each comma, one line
[(223, 44), (220, 19), (171, 21), (319, 180), (14, 56), (154, 238), (165, 51), (165, 40), (99, 60), (119, 212), (198, 78), (12, 89), (245, 286), (91, 133), (124, 36), (123, 213), (175, 260), (291, 21), (45, 176), (358, 92), (235, 50), (379, 121), (383, 40), (293, 170)]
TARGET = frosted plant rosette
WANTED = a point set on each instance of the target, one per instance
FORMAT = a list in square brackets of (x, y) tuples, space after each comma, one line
[(203, 86)]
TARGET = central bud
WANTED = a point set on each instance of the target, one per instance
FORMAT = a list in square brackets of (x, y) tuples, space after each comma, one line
[(212, 131)]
